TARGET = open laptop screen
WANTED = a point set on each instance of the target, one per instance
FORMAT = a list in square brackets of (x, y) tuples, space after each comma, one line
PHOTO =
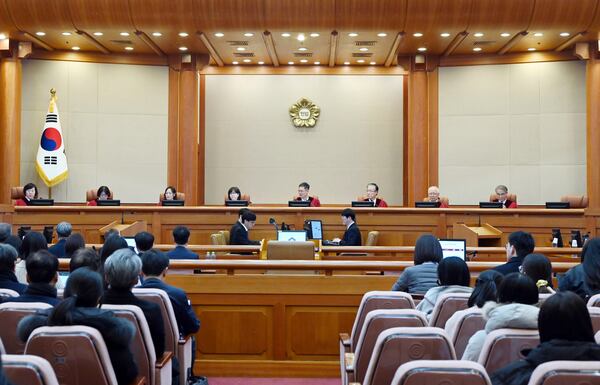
[(291, 236), (454, 248)]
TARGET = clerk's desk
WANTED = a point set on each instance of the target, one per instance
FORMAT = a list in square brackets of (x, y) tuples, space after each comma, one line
[(398, 226)]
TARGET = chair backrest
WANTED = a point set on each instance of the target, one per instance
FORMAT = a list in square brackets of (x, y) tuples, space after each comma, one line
[(468, 324), (179, 196), (446, 305), (575, 201), (141, 346), (17, 193), (594, 301), (24, 369), (597, 337), (566, 373), (10, 315), (226, 235), (542, 297), (77, 354), (92, 194), (595, 316), (8, 293), (372, 238), (503, 346), (374, 300), (436, 372), (509, 196), (376, 322), (161, 298), (280, 250), (397, 346), (217, 239)]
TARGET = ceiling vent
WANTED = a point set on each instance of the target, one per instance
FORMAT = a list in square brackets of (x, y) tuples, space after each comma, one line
[(243, 54), (122, 42), (362, 54), (303, 54), (236, 43), (365, 43)]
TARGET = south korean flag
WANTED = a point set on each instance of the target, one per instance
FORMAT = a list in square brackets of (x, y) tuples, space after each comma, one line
[(51, 161)]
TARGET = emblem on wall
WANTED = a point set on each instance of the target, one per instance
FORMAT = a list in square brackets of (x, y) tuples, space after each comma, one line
[(304, 113)]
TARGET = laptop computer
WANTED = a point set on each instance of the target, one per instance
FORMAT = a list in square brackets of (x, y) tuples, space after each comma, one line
[(454, 248), (291, 235)]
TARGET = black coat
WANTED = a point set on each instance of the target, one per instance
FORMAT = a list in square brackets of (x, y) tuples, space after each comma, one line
[(512, 266), (574, 280), (518, 373), (238, 235), (181, 252), (8, 280), (38, 292), (59, 248), (351, 236)]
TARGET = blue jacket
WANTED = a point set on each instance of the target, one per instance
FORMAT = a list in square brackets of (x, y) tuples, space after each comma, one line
[(181, 252), (59, 248), (38, 292), (8, 280)]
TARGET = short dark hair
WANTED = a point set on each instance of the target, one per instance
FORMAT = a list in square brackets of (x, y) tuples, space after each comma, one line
[(374, 185), (103, 189), (15, 241), (234, 189), (154, 262), (248, 216), (41, 267), (427, 249), (32, 242), (8, 256), (112, 244), (5, 231), (173, 190), (144, 241), (518, 288), (590, 256), (453, 271), (181, 235), (349, 213), (565, 316), (86, 257), (304, 185), (84, 289), (486, 288), (74, 242), (522, 242), (29, 186), (242, 211), (538, 267)]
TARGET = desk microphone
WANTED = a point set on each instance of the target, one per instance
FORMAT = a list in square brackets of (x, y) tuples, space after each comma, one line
[(274, 223)]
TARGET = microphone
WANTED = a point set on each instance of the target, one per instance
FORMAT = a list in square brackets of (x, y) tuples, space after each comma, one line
[(274, 223)]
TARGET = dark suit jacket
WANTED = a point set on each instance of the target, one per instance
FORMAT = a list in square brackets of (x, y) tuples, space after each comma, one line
[(351, 236), (512, 266), (181, 252), (187, 321), (151, 311), (38, 292), (238, 235), (59, 248), (8, 280)]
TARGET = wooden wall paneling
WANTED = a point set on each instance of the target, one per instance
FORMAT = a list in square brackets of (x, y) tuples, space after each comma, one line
[(188, 133), (371, 15), (300, 15), (405, 141), (7, 27), (593, 128), (201, 139), (226, 15), (510, 58), (173, 118), (285, 69), (97, 57), (10, 124), (433, 127)]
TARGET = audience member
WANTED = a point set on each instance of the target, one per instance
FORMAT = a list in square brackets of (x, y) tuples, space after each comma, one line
[(519, 245), (502, 193), (433, 195), (303, 190), (539, 268), (5, 231), (372, 192), (30, 192), (514, 308), (181, 235), (454, 277), (15, 241), (144, 241), (122, 270), (566, 333), (584, 279), (32, 242), (111, 244), (352, 235), (74, 243), (42, 274), (239, 231), (423, 275), (8, 279), (86, 257), (80, 307), (63, 230)]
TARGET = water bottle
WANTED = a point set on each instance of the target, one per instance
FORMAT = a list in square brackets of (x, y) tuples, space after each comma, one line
[(208, 255), (555, 242)]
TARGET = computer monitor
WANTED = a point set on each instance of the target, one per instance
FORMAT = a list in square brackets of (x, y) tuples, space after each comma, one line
[(313, 228), (427, 205), (174, 202), (298, 203), (236, 203), (454, 248), (490, 205), (41, 202), (558, 205), (363, 204), (291, 235), (108, 202)]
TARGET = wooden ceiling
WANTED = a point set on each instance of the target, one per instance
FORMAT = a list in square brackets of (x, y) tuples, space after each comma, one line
[(336, 32)]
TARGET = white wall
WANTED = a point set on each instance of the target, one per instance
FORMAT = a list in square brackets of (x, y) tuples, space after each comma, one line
[(522, 125), (251, 142), (114, 122)]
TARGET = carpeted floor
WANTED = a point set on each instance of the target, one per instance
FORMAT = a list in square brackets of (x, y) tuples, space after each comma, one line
[(272, 381)]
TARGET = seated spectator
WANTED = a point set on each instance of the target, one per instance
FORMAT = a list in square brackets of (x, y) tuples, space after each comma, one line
[(515, 308), (80, 307), (539, 268), (32, 243), (122, 270), (111, 244), (8, 279), (85, 257), (15, 241), (74, 243), (143, 241), (423, 275), (63, 230), (5, 231), (454, 277), (519, 245), (42, 274), (566, 333), (584, 279), (181, 235)]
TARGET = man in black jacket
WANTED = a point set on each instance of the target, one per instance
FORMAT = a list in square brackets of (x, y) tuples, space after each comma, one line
[(239, 231), (520, 244), (42, 274), (8, 279), (352, 234)]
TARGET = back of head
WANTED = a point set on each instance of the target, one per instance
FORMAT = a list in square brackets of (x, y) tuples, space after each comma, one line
[(242, 211), (63, 229), (122, 269), (41, 267), (32, 242), (248, 216), (591, 263), (453, 271), (486, 288), (538, 268), (518, 288), (5, 231), (15, 241), (144, 241), (427, 249), (522, 242), (154, 262), (181, 235), (564, 316), (349, 213), (85, 258), (74, 242), (112, 244), (8, 257), (84, 289)]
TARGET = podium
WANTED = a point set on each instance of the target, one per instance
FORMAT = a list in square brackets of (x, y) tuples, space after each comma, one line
[(485, 235), (125, 229)]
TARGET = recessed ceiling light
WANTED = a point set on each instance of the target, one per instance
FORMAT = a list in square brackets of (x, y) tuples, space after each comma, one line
[(247, 60), (261, 62), (317, 63), (417, 34), (360, 61), (124, 34), (444, 34), (129, 48), (301, 37), (372, 63), (156, 34), (66, 34), (421, 49), (183, 48), (75, 48), (98, 34), (234, 63), (303, 61), (248, 34), (286, 34), (314, 34), (478, 34), (346, 63), (41, 33), (505, 34), (531, 49), (219, 34), (477, 49), (291, 63), (353, 34), (184, 34), (302, 49), (363, 49), (382, 34), (565, 34), (241, 48), (538, 34)]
